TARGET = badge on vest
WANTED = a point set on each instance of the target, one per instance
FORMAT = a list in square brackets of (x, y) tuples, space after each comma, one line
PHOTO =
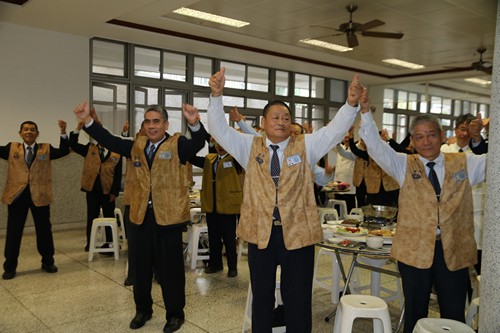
[(460, 176), (259, 159), (227, 164), (416, 175), (114, 158), (137, 164), (165, 155), (42, 157), (15, 156), (292, 160)]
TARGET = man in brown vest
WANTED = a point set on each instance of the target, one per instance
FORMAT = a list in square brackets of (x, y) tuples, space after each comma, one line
[(159, 205), (279, 216), (434, 243), (101, 180), (221, 197), (29, 187)]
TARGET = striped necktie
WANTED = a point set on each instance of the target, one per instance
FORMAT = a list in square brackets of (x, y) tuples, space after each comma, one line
[(434, 179), (275, 174)]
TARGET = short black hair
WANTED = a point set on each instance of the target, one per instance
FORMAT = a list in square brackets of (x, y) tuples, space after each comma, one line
[(302, 130), (272, 103), (465, 118), (28, 122)]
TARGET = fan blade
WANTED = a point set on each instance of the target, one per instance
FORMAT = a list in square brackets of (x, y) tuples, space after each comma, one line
[(379, 34), (488, 70), (352, 40), (370, 25)]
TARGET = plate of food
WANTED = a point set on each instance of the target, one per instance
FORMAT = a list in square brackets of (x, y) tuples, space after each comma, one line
[(387, 234), (351, 231), (349, 222), (334, 222)]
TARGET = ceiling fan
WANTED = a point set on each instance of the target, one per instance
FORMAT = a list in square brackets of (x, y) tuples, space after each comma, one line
[(350, 28), (480, 65)]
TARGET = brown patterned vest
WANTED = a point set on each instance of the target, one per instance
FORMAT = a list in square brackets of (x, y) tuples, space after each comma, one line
[(228, 191), (298, 210), (93, 167), (375, 176), (128, 182), (39, 175), (166, 181), (415, 237)]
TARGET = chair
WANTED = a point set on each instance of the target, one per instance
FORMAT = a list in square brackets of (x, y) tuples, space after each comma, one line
[(472, 313), (341, 204), (197, 234), (356, 211), (121, 224), (375, 285), (440, 325), (362, 306), (247, 317), (97, 225), (323, 212)]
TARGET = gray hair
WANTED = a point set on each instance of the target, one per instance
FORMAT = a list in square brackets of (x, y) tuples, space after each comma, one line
[(424, 118), (160, 109)]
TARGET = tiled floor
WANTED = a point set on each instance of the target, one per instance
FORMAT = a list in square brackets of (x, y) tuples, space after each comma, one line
[(90, 296)]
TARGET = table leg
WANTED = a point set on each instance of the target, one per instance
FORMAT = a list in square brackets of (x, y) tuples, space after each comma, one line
[(347, 279)]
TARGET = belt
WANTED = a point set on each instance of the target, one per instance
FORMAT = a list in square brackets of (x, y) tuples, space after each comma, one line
[(277, 223)]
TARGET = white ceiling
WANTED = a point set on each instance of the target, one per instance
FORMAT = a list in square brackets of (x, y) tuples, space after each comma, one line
[(437, 33)]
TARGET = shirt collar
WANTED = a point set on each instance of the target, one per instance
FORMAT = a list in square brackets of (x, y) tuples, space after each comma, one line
[(26, 146), (438, 160), (282, 145)]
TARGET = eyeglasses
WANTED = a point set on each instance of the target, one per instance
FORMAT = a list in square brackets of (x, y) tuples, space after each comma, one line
[(463, 129)]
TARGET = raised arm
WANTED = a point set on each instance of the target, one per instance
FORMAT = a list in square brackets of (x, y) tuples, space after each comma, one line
[(187, 148), (63, 149)]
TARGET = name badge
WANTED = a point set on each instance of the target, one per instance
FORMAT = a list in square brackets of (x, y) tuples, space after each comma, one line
[(165, 155), (115, 159), (137, 164), (259, 159), (227, 164), (42, 157), (292, 160), (460, 176), (416, 175)]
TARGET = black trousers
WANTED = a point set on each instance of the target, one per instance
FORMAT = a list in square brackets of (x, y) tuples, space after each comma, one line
[(160, 248), (129, 229), (222, 229), (96, 200), (295, 284), (17, 214), (350, 200), (450, 287)]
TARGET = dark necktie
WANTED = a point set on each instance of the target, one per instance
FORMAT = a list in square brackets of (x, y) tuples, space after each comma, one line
[(460, 150), (151, 153), (434, 179), (275, 174), (101, 153), (29, 156), (216, 164)]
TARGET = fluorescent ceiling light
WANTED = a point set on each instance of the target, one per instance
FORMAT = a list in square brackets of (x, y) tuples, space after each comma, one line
[(326, 45), (211, 17), (478, 81), (403, 63)]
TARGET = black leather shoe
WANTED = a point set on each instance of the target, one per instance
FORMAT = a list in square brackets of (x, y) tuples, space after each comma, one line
[(232, 273), (8, 275), (128, 282), (86, 248), (49, 268), (139, 320), (172, 325), (211, 270)]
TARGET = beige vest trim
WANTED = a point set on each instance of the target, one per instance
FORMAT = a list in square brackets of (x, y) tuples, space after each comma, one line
[(229, 194), (167, 181), (296, 202), (418, 216), (39, 175)]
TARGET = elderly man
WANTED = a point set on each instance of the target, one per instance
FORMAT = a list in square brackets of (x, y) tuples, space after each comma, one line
[(434, 243), (159, 205), (279, 216)]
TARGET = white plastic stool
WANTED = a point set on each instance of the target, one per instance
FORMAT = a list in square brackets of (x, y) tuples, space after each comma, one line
[(247, 317), (101, 223), (440, 325), (327, 211), (375, 285), (121, 225), (362, 306), (194, 252), (332, 282), (341, 204), (356, 211), (472, 315)]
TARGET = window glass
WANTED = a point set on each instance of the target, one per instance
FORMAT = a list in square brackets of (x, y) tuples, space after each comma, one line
[(235, 75), (466, 107), (143, 97), (447, 106), (231, 101), (318, 87), (436, 104), (147, 62), (202, 71), (388, 98), (258, 79), (301, 111), (412, 101), (423, 106), (173, 103), (110, 103), (402, 100), (201, 100), (302, 85), (338, 91), (256, 103), (108, 58), (174, 66), (282, 83), (457, 108)]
